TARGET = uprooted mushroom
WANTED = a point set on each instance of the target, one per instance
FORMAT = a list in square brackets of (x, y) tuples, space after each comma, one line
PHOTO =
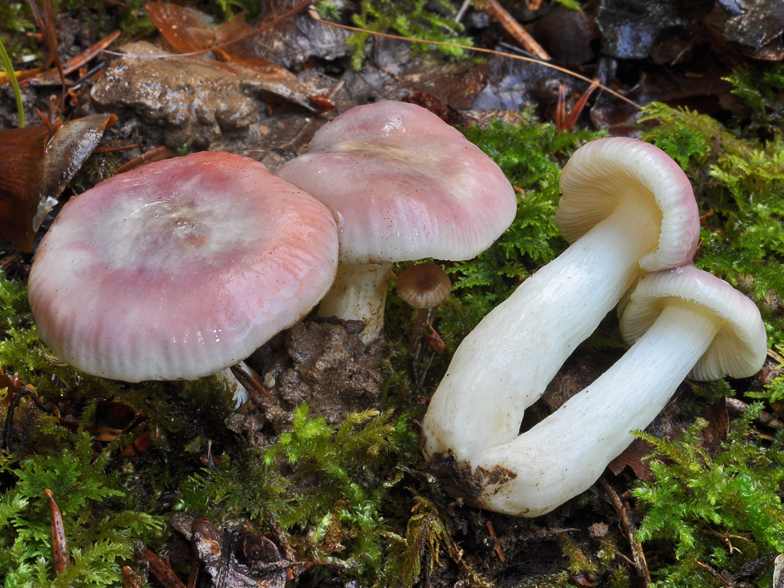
[(180, 268), (403, 185), (627, 208), (681, 322)]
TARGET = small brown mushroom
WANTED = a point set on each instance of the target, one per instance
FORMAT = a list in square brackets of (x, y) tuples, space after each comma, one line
[(425, 287)]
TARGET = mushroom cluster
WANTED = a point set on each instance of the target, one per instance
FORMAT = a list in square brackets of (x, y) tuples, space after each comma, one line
[(184, 267), (632, 219)]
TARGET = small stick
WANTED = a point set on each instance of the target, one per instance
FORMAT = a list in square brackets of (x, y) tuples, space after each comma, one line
[(118, 148), (315, 16), (498, 549), (193, 577), (156, 154), (249, 383), (498, 13), (161, 571), (59, 545), (637, 552), (52, 76), (463, 9), (737, 407)]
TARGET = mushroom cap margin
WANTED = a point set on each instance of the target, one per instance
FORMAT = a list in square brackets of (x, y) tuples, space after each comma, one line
[(209, 272), (404, 185), (601, 172), (739, 347)]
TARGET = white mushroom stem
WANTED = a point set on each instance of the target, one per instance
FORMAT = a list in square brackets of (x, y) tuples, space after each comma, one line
[(566, 453), (359, 293), (238, 392), (505, 363)]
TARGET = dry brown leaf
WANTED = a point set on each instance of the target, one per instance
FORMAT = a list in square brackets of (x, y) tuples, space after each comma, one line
[(185, 28), (35, 169), (189, 30)]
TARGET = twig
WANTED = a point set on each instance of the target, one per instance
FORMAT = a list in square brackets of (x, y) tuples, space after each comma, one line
[(48, 77), (156, 154), (248, 382), (314, 15), (161, 571), (494, 10), (498, 550), (637, 552), (463, 9), (737, 407), (118, 148)]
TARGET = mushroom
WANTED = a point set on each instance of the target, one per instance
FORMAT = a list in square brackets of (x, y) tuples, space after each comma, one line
[(403, 185), (425, 287), (626, 208), (179, 269), (681, 322)]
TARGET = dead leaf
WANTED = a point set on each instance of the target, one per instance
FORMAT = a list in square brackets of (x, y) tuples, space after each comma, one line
[(185, 28), (34, 170), (667, 425), (715, 434), (59, 544), (189, 30), (296, 39), (633, 457), (239, 560)]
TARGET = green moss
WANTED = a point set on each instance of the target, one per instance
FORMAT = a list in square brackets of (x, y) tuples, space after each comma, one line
[(351, 497), (721, 511), (100, 518), (340, 493), (531, 154), (760, 89)]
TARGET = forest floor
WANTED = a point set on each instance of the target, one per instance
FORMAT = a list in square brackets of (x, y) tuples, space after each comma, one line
[(318, 480)]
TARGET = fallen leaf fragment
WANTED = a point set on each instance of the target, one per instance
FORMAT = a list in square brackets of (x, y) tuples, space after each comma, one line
[(59, 545), (185, 28), (635, 458), (34, 170), (189, 30)]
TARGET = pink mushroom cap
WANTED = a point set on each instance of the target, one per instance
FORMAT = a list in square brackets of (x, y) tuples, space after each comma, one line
[(404, 185), (180, 268)]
